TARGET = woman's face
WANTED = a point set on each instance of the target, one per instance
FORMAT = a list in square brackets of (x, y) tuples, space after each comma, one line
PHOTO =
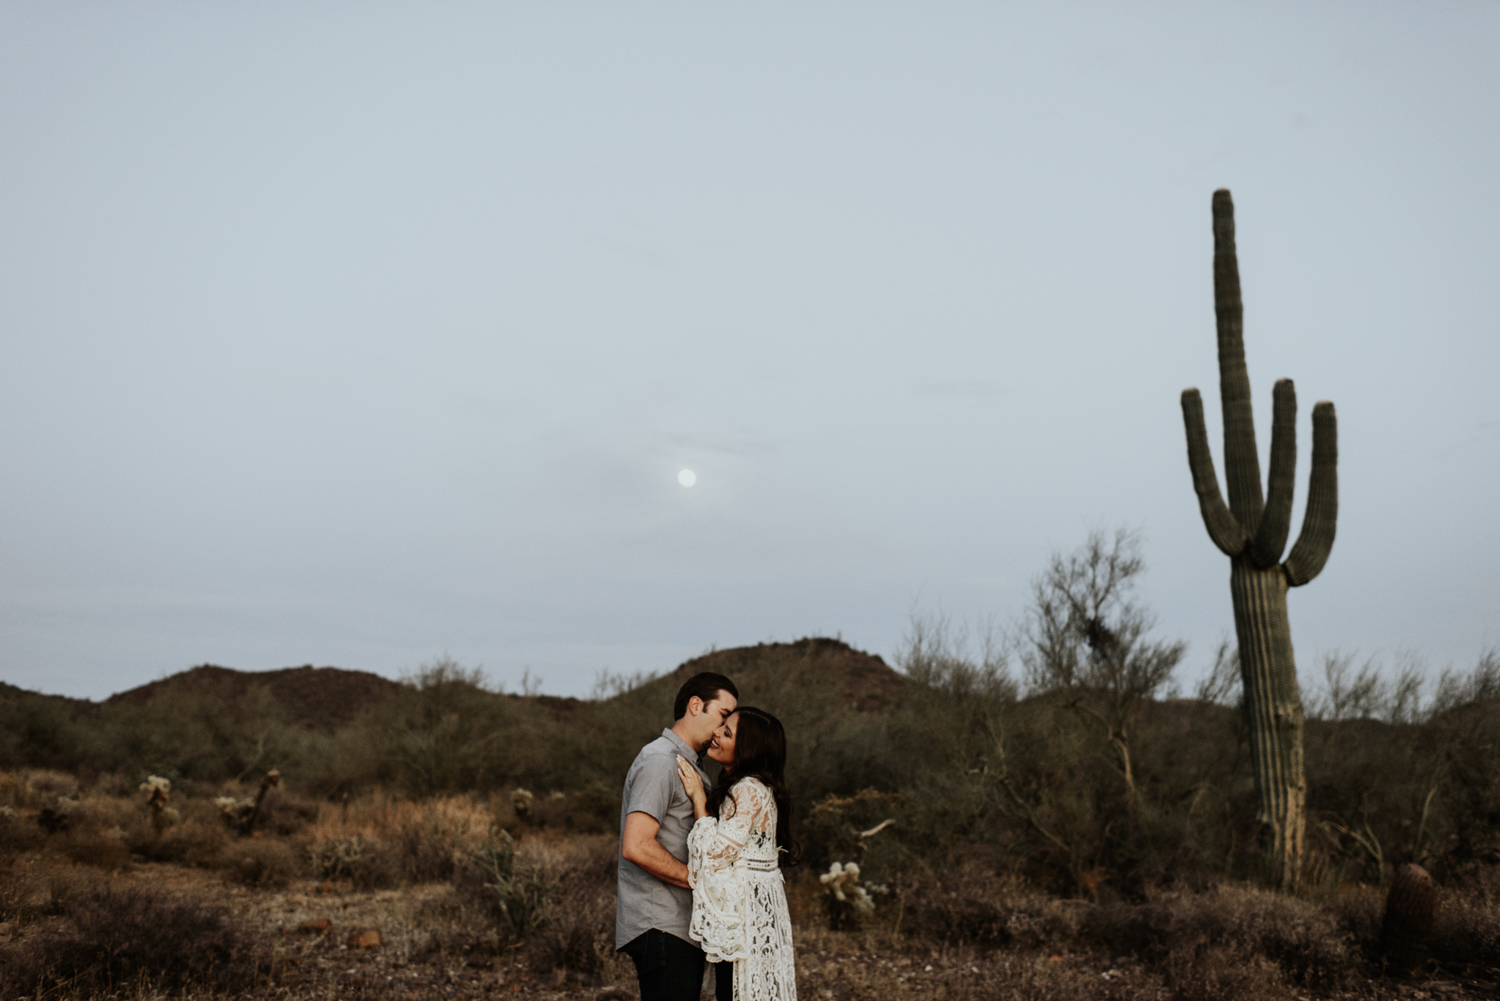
[(721, 748)]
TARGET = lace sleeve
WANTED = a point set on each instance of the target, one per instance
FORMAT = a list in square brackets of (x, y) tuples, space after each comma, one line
[(741, 815), (719, 890)]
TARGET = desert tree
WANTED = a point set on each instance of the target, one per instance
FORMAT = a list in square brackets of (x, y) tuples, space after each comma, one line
[(1086, 637)]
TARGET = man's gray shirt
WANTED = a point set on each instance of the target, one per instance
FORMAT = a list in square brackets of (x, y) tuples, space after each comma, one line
[(653, 787)]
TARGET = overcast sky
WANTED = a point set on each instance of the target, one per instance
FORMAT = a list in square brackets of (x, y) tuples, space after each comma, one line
[(360, 334)]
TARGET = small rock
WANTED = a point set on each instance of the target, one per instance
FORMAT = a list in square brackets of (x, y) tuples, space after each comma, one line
[(368, 939), (319, 926)]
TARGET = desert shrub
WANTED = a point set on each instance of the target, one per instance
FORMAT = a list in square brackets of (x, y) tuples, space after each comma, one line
[(286, 813), (194, 840), (91, 846), (116, 938), (519, 894), (408, 855), (841, 828), (39, 787), (337, 859), (15, 791), (593, 809), (562, 897), (1466, 927), (973, 905), (1193, 934), (448, 729), (44, 731), (37, 892), (419, 853), (1358, 910), (267, 862), (579, 933), (380, 841), (18, 833)]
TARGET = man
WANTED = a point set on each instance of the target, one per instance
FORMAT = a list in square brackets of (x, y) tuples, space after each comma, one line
[(655, 906)]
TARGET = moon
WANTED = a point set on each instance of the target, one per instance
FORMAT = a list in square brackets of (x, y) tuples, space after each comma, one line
[(687, 477)]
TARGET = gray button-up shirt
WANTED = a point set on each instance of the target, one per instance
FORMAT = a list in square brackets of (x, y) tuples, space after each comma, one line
[(654, 787)]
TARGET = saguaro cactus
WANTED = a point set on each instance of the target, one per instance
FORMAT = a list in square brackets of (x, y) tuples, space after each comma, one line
[(1252, 531)]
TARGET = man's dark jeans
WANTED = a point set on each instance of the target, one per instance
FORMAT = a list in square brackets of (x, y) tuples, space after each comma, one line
[(668, 968)]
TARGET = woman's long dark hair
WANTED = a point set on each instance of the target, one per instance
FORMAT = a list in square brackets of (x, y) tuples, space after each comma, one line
[(760, 752)]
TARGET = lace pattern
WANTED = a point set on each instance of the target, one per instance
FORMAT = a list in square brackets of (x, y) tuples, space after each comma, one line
[(739, 901)]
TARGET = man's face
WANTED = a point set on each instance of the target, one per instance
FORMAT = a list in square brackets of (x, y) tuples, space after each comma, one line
[(710, 717)]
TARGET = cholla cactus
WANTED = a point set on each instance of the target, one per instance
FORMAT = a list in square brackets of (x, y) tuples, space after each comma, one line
[(234, 810), (845, 899), (337, 859), (158, 790), (241, 814)]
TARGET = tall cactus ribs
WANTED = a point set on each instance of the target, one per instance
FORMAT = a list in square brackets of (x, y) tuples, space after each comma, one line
[(1252, 530)]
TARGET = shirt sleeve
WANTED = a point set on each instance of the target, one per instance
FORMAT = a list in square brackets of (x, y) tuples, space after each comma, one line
[(654, 787)]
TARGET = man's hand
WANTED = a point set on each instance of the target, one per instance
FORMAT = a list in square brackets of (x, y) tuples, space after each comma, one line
[(638, 844)]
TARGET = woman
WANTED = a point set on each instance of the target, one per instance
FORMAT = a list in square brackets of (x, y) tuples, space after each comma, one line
[(740, 840)]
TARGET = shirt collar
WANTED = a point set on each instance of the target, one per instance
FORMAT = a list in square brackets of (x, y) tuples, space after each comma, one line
[(694, 756)]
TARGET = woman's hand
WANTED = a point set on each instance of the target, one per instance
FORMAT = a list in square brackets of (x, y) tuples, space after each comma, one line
[(692, 784)]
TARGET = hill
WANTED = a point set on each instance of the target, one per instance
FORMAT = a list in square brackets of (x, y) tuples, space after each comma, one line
[(321, 699), (776, 676), (339, 729)]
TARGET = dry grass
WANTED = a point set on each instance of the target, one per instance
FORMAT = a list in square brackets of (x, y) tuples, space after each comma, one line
[(397, 841), (1466, 932)]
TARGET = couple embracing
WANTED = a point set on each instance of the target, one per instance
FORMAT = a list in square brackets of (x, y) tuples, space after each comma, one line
[(700, 863)]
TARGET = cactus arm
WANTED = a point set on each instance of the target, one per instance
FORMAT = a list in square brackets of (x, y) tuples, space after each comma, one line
[(1223, 529), (1316, 541), (1276, 523), (1241, 460)]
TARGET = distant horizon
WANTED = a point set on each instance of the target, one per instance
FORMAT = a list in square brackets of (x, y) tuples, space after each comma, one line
[(1179, 687)]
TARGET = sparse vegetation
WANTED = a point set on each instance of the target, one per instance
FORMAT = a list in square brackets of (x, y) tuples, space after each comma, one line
[(1020, 856)]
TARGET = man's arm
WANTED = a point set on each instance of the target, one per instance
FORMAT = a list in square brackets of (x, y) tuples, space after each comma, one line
[(639, 845)]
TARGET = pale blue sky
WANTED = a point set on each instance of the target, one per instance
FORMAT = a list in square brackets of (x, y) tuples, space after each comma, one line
[(356, 334)]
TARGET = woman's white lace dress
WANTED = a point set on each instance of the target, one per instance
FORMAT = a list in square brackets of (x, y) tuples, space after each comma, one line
[(739, 901)]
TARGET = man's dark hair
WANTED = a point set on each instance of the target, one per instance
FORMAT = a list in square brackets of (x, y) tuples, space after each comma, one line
[(705, 686)]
